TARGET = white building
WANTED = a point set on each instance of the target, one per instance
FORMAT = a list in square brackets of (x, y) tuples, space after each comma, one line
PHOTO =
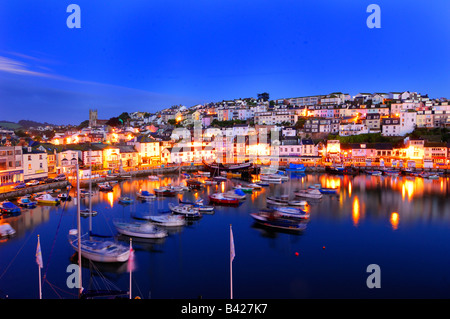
[(34, 164)]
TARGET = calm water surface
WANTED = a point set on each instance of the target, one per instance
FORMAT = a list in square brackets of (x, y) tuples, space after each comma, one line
[(401, 224)]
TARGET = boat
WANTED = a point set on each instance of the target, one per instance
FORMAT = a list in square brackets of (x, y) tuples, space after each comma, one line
[(204, 173), (271, 178), (297, 203), (153, 178), (274, 202), (324, 190), (64, 196), (26, 202), (105, 187), (429, 175), (291, 212), (87, 212), (309, 193), (164, 191), (85, 193), (6, 230), (92, 247), (254, 186), (219, 167), (220, 178), (374, 173), (271, 218), (168, 220), (188, 211), (297, 168), (391, 172), (210, 182), (6, 207), (219, 198), (262, 183), (145, 195), (125, 200), (237, 193), (139, 229), (47, 199), (244, 189), (193, 184), (99, 249), (198, 204)]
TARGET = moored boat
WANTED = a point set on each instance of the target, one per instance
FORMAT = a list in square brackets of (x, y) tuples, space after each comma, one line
[(168, 220), (47, 199), (309, 193), (26, 202), (139, 229), (125, 200), (6, 207), (188, 211), (271, 218), (219, 198), (145, 195)]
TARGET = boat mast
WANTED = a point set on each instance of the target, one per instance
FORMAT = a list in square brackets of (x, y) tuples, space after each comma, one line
[(90, 190), (79, 233)]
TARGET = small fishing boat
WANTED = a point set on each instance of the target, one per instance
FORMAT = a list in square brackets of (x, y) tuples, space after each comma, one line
[(262, 184), (188, 211), (374, 173), (220, 178), (197, 202), (164, 191), (168, 220), (391, 173), (193, 184), (219, 198), (271, 218), (125, 200), (6, 230), (139, 229), (145, 195), (309, 193), (26, 202), (47, 199), (204, 173), (105, 187), (7, 207), (244, 189), (153, 178), (86, 213), (236, 194)]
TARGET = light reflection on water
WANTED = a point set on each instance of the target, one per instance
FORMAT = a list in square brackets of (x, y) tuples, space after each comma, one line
[(371, 219)]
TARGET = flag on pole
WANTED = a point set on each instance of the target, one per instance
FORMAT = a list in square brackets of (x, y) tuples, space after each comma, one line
[(232, 252), (131, 266), (39, 255)]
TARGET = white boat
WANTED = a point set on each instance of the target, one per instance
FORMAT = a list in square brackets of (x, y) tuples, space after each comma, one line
[(270, 178), (309, 193), (6, 230), (64, 196), (204, 173), (297, 203), (291, 212), (168, 220), (139, 229), (187, 211), (47, 199), (153, 178), (235, 194), (98, 249), (254, 186), (210, 182), (86, 212)]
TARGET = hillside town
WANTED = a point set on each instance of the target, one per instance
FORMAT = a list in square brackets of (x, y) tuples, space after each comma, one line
[(313, 130)]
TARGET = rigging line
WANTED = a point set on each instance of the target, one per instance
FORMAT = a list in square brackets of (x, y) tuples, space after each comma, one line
[(18, 252), (54, 239), (56, 287)]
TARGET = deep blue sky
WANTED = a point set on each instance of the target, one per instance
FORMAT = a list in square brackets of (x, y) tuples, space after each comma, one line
[(148, 55)]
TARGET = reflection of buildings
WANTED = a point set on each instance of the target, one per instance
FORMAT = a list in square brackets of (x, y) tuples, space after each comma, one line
[(28, 219)]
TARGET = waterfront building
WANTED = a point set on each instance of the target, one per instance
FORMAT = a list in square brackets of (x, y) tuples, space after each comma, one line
[(11, 165), (35, 164)]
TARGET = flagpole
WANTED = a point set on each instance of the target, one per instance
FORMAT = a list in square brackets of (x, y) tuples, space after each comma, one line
[(231, 262), (80, 289), (131, 270), (40, 280)]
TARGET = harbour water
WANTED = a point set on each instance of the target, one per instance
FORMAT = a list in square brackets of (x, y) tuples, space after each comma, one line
[(401, 224)]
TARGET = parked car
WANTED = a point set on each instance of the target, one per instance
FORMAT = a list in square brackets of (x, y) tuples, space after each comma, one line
[(32, 183), (19, 186), (49, 180), (60, 177)]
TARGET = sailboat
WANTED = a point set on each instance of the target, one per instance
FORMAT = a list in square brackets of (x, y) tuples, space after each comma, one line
[(97, 249)]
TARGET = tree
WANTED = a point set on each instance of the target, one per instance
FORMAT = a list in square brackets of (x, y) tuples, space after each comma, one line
[(264, 96), (114, 121)]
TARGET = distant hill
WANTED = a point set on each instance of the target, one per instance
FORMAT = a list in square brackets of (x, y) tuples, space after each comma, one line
[(22, 124)]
